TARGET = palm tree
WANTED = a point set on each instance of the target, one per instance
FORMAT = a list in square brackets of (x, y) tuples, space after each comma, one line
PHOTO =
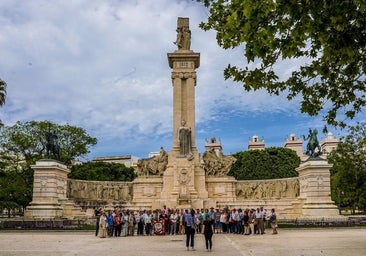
[(2, 95)]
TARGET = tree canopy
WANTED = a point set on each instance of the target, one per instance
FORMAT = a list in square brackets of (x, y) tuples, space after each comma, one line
[(102, 171), (269, 163), (22, 144), (349, 169), (327, 38), (27, 141)]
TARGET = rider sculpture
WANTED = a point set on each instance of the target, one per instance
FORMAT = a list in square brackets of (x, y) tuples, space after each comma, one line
[(313, 148), (52, 146)]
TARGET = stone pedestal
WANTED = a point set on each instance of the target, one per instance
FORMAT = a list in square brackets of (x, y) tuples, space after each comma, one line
[(146, 192), (50, 183), (184, 184), (220, 189), (314, 177)]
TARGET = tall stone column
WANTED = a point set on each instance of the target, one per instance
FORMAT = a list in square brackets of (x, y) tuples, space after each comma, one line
[(184, 82), (49, 187), (184, 179)]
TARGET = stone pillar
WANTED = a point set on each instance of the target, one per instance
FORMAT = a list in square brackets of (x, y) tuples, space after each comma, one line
[(184, 178), (314, 177), (49, 187), (184, 82)]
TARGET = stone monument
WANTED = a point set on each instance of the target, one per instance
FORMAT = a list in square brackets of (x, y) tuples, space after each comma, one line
[(314, 179), (50, 183), (50, 193), (184, 179)]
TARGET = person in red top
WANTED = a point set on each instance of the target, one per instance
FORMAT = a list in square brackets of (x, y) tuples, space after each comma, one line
[(117, 224)]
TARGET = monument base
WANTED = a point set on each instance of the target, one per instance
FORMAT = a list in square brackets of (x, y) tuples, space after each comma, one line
[(43, 211), (50, 184), (311, 209), (314, 177)]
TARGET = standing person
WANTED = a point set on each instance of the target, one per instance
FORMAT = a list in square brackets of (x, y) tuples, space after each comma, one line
[(103, 225), (246, 222), (211, 213), (97, 213), (217, 221), (182, 229), (259, 220), (241, 222), (251, 221), (140, 223), (236, 218), (117, 224), (273, 221), (124, 220), (147, 220), (174, 219), (208, 232), (223, 219), (264, 212), (198, 216), (131, 224), (167, 223), (190, 229), (110, 224)]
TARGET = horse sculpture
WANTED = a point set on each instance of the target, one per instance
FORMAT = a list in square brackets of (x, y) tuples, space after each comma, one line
[(52, 147), (313, 148)]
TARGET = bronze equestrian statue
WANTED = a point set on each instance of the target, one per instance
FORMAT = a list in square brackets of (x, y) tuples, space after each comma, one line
[(52, 146), (313, 148)]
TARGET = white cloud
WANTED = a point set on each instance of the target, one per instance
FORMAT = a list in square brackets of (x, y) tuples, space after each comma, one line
[(102, 65)]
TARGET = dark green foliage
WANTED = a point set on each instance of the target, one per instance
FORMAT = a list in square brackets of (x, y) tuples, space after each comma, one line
[(322, 42), (348, 175), (270, 163), (21, 145), (15, 187), (102, 171), (28, 141)]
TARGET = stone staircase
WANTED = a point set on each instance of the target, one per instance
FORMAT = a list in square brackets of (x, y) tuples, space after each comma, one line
[(71, 210)]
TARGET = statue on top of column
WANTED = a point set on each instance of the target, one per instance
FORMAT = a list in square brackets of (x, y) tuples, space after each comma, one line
[(52, 145), (183, 40)]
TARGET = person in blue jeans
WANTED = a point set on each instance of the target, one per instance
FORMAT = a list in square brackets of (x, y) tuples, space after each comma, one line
[(190, 228)]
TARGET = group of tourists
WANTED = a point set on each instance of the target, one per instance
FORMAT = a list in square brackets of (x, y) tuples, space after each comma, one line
[(116, 223)]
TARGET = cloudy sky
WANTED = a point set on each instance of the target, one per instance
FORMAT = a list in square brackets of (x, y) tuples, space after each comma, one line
[(102, 66)]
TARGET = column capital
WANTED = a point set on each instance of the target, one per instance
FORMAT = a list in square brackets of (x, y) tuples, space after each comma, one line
[(184, 60)]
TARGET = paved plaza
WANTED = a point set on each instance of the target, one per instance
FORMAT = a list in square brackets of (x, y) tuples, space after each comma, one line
[(301, 242)]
